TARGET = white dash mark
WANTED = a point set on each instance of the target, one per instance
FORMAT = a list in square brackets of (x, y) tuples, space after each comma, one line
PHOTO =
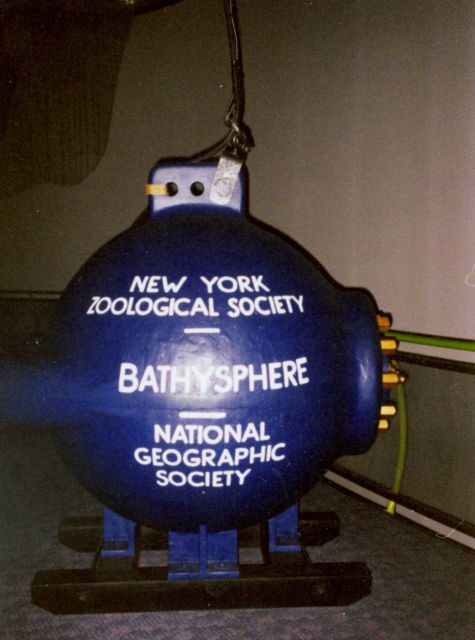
[(203, 330), (215, 415)]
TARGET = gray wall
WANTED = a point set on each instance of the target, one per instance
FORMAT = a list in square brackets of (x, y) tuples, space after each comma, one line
[(363, 117)]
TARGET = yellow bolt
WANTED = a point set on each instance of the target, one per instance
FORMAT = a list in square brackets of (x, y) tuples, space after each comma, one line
[(390, 379), (157, 190), (388, 410), (383, 425), (384, 322), (388, 345), (393, 378)]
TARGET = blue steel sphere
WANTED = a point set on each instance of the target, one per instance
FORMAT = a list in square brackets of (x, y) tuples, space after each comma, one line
[(215, 372)]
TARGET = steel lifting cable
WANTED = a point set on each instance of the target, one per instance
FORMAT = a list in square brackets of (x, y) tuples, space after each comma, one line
[(238, 139)]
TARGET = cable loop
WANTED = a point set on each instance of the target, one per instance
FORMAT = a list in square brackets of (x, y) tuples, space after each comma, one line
[(238, 140)]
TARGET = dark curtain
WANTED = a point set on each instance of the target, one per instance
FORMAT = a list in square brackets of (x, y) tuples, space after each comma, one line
[(59, 61)]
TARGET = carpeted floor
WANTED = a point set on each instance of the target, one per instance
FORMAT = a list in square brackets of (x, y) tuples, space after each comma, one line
[(423, 585)]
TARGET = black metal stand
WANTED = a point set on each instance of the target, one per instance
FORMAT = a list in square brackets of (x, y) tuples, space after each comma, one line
[(118, 584)]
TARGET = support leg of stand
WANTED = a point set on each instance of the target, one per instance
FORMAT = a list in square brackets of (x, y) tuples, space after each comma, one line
[(118, 536), (203, 555), (118, 552), (281, 540)]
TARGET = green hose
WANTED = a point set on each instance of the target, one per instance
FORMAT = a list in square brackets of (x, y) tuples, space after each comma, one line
[(402, 455), (433, 341)]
